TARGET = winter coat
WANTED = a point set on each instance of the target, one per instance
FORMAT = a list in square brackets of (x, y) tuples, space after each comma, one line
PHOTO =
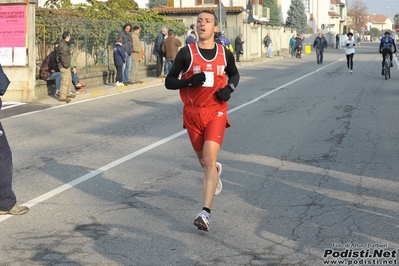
[(238, 44), (137, 48), (170, 47), (119, 54), (320, 43), (127, 41), (158, 45), (49, 66), (63, 53)]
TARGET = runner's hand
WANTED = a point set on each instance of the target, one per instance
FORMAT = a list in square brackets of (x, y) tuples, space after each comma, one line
[(224, 93), (196, 79)]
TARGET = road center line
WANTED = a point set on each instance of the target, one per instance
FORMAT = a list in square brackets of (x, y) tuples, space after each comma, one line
[(128, 157)]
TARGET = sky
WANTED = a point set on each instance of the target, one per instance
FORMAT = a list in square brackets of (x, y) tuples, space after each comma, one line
[(381, 7)]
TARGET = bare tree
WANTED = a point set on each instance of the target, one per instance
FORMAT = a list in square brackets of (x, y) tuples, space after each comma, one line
[(357, 14)]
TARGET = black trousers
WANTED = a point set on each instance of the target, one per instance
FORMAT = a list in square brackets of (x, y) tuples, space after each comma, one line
[(159, 65), (119, 70), (238, 56), (7, 196), (319, 55), (349, 60), (384, 53)]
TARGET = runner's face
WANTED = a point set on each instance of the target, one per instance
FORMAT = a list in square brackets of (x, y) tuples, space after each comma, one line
[(206, 26)]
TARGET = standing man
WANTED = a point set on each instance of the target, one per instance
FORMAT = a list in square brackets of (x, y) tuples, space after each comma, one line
[(238, 47), (292, 45), (63, 53), (320, 43), (137, 56), (208, 77), (127, 42), (170, 47), (298, 46), (190, 30), (157, 51), (268, 43), (8, 200), (336, 41)]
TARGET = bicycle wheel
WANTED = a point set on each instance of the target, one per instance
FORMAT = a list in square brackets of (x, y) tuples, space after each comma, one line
[(386, 70), (389, 71)]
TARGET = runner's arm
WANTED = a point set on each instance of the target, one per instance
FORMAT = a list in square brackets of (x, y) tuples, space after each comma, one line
[(231, 69), (182, 61)]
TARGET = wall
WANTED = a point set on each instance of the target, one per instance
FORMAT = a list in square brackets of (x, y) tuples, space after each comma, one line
[(23, 77)]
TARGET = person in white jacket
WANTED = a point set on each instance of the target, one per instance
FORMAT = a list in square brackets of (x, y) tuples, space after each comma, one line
[(349, 45)]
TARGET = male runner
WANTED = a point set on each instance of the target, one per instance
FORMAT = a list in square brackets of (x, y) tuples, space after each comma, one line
[(205, 90)]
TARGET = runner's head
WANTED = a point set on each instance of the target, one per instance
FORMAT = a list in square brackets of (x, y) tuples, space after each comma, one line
[(207, 25)]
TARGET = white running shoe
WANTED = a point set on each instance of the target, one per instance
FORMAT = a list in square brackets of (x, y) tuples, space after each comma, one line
[(351, 71), (219, 185), (202, 220)]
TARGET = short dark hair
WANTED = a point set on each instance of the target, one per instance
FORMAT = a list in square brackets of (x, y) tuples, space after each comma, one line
[(170, 32), (65, 35), (212, 13), (136, 28), (192, 26), (349, 33), (387, 32)]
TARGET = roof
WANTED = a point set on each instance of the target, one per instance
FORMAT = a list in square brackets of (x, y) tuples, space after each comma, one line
[(185, 10), (377, 18), (336, 2)]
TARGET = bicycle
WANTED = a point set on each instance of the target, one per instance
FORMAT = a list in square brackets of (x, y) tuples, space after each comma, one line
[(387, 67)]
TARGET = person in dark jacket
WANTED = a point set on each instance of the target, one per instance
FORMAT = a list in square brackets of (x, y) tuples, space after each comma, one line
[(49, 69), (238, 47), (127, 42), (157, 51), (320, 43), (64, 62), (298, 46), (119, 60), (192, 38), (8, 200)]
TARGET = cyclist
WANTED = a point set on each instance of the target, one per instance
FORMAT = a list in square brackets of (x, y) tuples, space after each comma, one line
[(387, 46)]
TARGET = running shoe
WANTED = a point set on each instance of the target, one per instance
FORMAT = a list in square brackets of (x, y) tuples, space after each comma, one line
[(219, 185), (202, 221)]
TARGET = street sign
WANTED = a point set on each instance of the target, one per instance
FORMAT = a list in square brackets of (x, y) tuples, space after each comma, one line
[(397, 28)]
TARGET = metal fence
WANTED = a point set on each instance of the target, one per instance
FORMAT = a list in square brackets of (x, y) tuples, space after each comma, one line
[(92, 41)]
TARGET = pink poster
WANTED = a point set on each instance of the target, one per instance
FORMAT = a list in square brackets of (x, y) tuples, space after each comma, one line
[(13, 26)]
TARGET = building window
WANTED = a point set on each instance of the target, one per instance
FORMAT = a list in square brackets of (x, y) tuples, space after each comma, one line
[(307, 6)]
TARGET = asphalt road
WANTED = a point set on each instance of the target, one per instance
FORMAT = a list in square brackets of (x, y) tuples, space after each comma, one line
[(309, 173)]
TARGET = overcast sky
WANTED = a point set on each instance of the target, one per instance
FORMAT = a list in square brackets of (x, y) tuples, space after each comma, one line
[(381, 7)]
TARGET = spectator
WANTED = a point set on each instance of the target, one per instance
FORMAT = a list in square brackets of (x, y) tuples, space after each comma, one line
[(77, 83), (190, 30), (238, 47), (63, 53), (50, 71), (298, 46), (225, 41), (336, 41), (119, 61), (192, 38), (170, 47), (8, 200), (127, 42), (157, 51), (267, 41), (292, 45), (137, 56), (320, 43)]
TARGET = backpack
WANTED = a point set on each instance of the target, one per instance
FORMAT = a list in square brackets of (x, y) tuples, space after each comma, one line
[(266, 41)]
